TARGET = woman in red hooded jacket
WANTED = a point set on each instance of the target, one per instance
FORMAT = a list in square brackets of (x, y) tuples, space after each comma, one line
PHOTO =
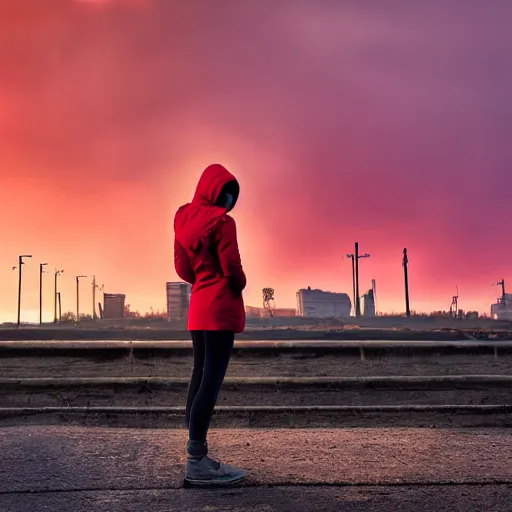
[(206, 255)]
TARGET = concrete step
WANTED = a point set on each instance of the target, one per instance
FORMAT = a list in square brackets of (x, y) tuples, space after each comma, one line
[(315, 391), (24, 359), (437, 416)]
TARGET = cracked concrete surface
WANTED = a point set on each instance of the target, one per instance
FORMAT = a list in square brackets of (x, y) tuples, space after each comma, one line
[(129, 470)]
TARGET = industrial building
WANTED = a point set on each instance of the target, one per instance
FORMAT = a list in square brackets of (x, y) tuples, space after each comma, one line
[(255, 312), (321, 304), (178, 300), (502, 309), (113, 305), (369, 303)]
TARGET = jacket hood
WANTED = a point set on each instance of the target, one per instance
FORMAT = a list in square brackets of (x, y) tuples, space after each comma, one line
[(214, 178), (195, 221)]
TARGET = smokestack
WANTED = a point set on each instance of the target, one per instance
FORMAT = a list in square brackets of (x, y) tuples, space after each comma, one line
[(374, 290)]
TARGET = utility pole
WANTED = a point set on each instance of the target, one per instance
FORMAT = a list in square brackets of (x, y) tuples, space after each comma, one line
[(78, 297), (41, 272), (57, 274), (351, 256), (20, 264), (94, 297), (405, 263), (357, 256)]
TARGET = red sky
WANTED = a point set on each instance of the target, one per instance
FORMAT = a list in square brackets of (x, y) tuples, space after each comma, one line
[(383, 122)]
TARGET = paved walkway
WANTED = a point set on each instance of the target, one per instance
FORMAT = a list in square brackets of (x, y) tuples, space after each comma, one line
[(79, 469)]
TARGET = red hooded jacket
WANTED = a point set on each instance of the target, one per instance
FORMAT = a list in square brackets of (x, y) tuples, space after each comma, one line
[(206, 256)]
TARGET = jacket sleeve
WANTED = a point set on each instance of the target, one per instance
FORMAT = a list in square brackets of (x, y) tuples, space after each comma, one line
[(182, 264), (229, 255)]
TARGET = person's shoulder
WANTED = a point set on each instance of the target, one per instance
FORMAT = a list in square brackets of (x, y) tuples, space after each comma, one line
[(179, 215), (181, 209), (226, 226), (227, 220)]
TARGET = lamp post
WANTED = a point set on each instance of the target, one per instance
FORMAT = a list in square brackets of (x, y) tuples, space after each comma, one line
[(78, 297), (41, 272), (57, 274), (20, 264)]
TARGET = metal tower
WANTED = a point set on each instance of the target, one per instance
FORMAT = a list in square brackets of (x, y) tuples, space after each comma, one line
[(454, 308)]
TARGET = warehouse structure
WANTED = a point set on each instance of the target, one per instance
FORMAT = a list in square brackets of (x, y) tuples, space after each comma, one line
[(321, 304), (502, 309)]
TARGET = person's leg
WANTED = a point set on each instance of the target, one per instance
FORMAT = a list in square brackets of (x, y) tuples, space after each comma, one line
[(218, 348), (197, 370), (201, 469)]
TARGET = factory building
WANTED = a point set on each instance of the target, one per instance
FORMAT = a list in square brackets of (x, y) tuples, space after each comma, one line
[(502, 309), (178, 300), (369, 303), (113, 305), (321, 304), (255, 312)]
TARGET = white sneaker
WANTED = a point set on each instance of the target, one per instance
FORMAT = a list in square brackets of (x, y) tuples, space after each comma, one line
[(207, 471)]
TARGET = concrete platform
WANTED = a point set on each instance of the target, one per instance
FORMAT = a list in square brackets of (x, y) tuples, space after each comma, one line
[(288, 391), (258, 345), (293, 358), (101, 469), (323, 331)]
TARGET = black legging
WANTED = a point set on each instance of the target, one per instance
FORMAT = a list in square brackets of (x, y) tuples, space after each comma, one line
[(212, 350)]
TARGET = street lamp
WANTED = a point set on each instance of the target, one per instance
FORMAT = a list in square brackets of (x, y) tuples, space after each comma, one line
[(78, 297), (20, 264), (57, 274), (41, 272)]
